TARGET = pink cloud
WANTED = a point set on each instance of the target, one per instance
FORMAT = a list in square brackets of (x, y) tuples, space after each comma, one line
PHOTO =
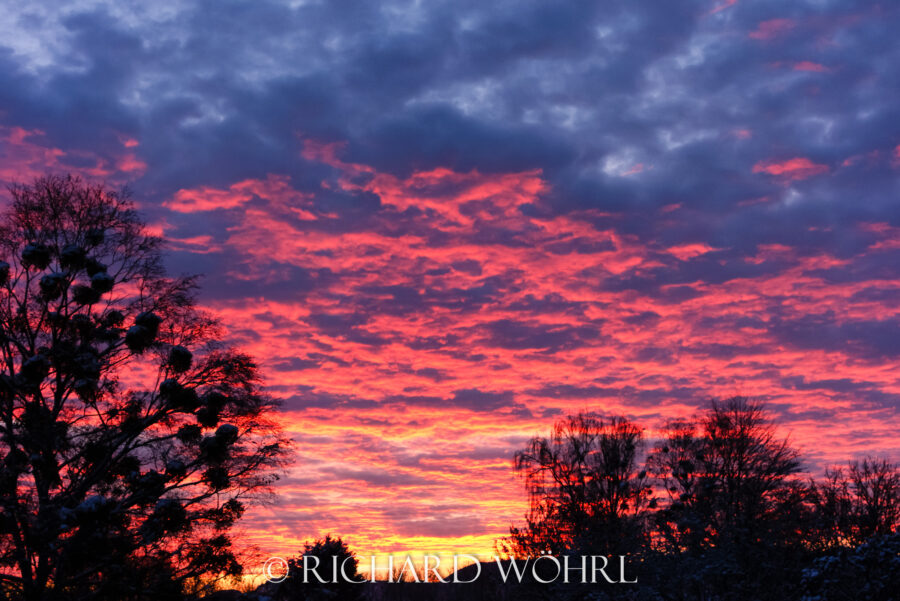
[(809, 66), (373, 359), (274, 188), (417, 349), (689, 251), (771, 29), (130, 163), (22, 157), (797, 168), (26, 154), (722, 6)]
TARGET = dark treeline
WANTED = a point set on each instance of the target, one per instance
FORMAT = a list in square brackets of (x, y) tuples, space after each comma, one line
[(718, 508)]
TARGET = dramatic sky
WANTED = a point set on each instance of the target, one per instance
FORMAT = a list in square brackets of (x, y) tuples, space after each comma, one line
[(442, 225)]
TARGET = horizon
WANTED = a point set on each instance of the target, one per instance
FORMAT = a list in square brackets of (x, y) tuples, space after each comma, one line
[(440, 228)]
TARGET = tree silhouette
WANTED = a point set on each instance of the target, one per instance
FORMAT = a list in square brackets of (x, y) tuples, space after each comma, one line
[(131, 439), (324, 550), (734, 520), (855, 505), (724, 513), (585, 489), (729, 481)]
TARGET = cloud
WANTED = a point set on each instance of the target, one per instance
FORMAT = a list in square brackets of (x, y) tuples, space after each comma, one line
[(793, 169), (772, 28)]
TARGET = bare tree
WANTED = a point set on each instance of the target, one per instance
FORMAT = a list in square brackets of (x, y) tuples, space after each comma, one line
[(729, 479), (833, 504), (584, 487), (131, 439), (876, 486), (858, 504)]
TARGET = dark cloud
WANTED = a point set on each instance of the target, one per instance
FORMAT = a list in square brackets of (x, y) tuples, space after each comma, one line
[(510, 334), (310, 399), (440, 135), (470, 399), (440, 526), (380, 479), (873, 340), (218, 93), (477, 400)]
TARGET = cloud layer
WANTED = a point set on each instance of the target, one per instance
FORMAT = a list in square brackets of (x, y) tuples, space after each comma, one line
[(442, 225)]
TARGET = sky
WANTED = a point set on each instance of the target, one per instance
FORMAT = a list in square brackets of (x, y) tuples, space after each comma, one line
[(440, 226)]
